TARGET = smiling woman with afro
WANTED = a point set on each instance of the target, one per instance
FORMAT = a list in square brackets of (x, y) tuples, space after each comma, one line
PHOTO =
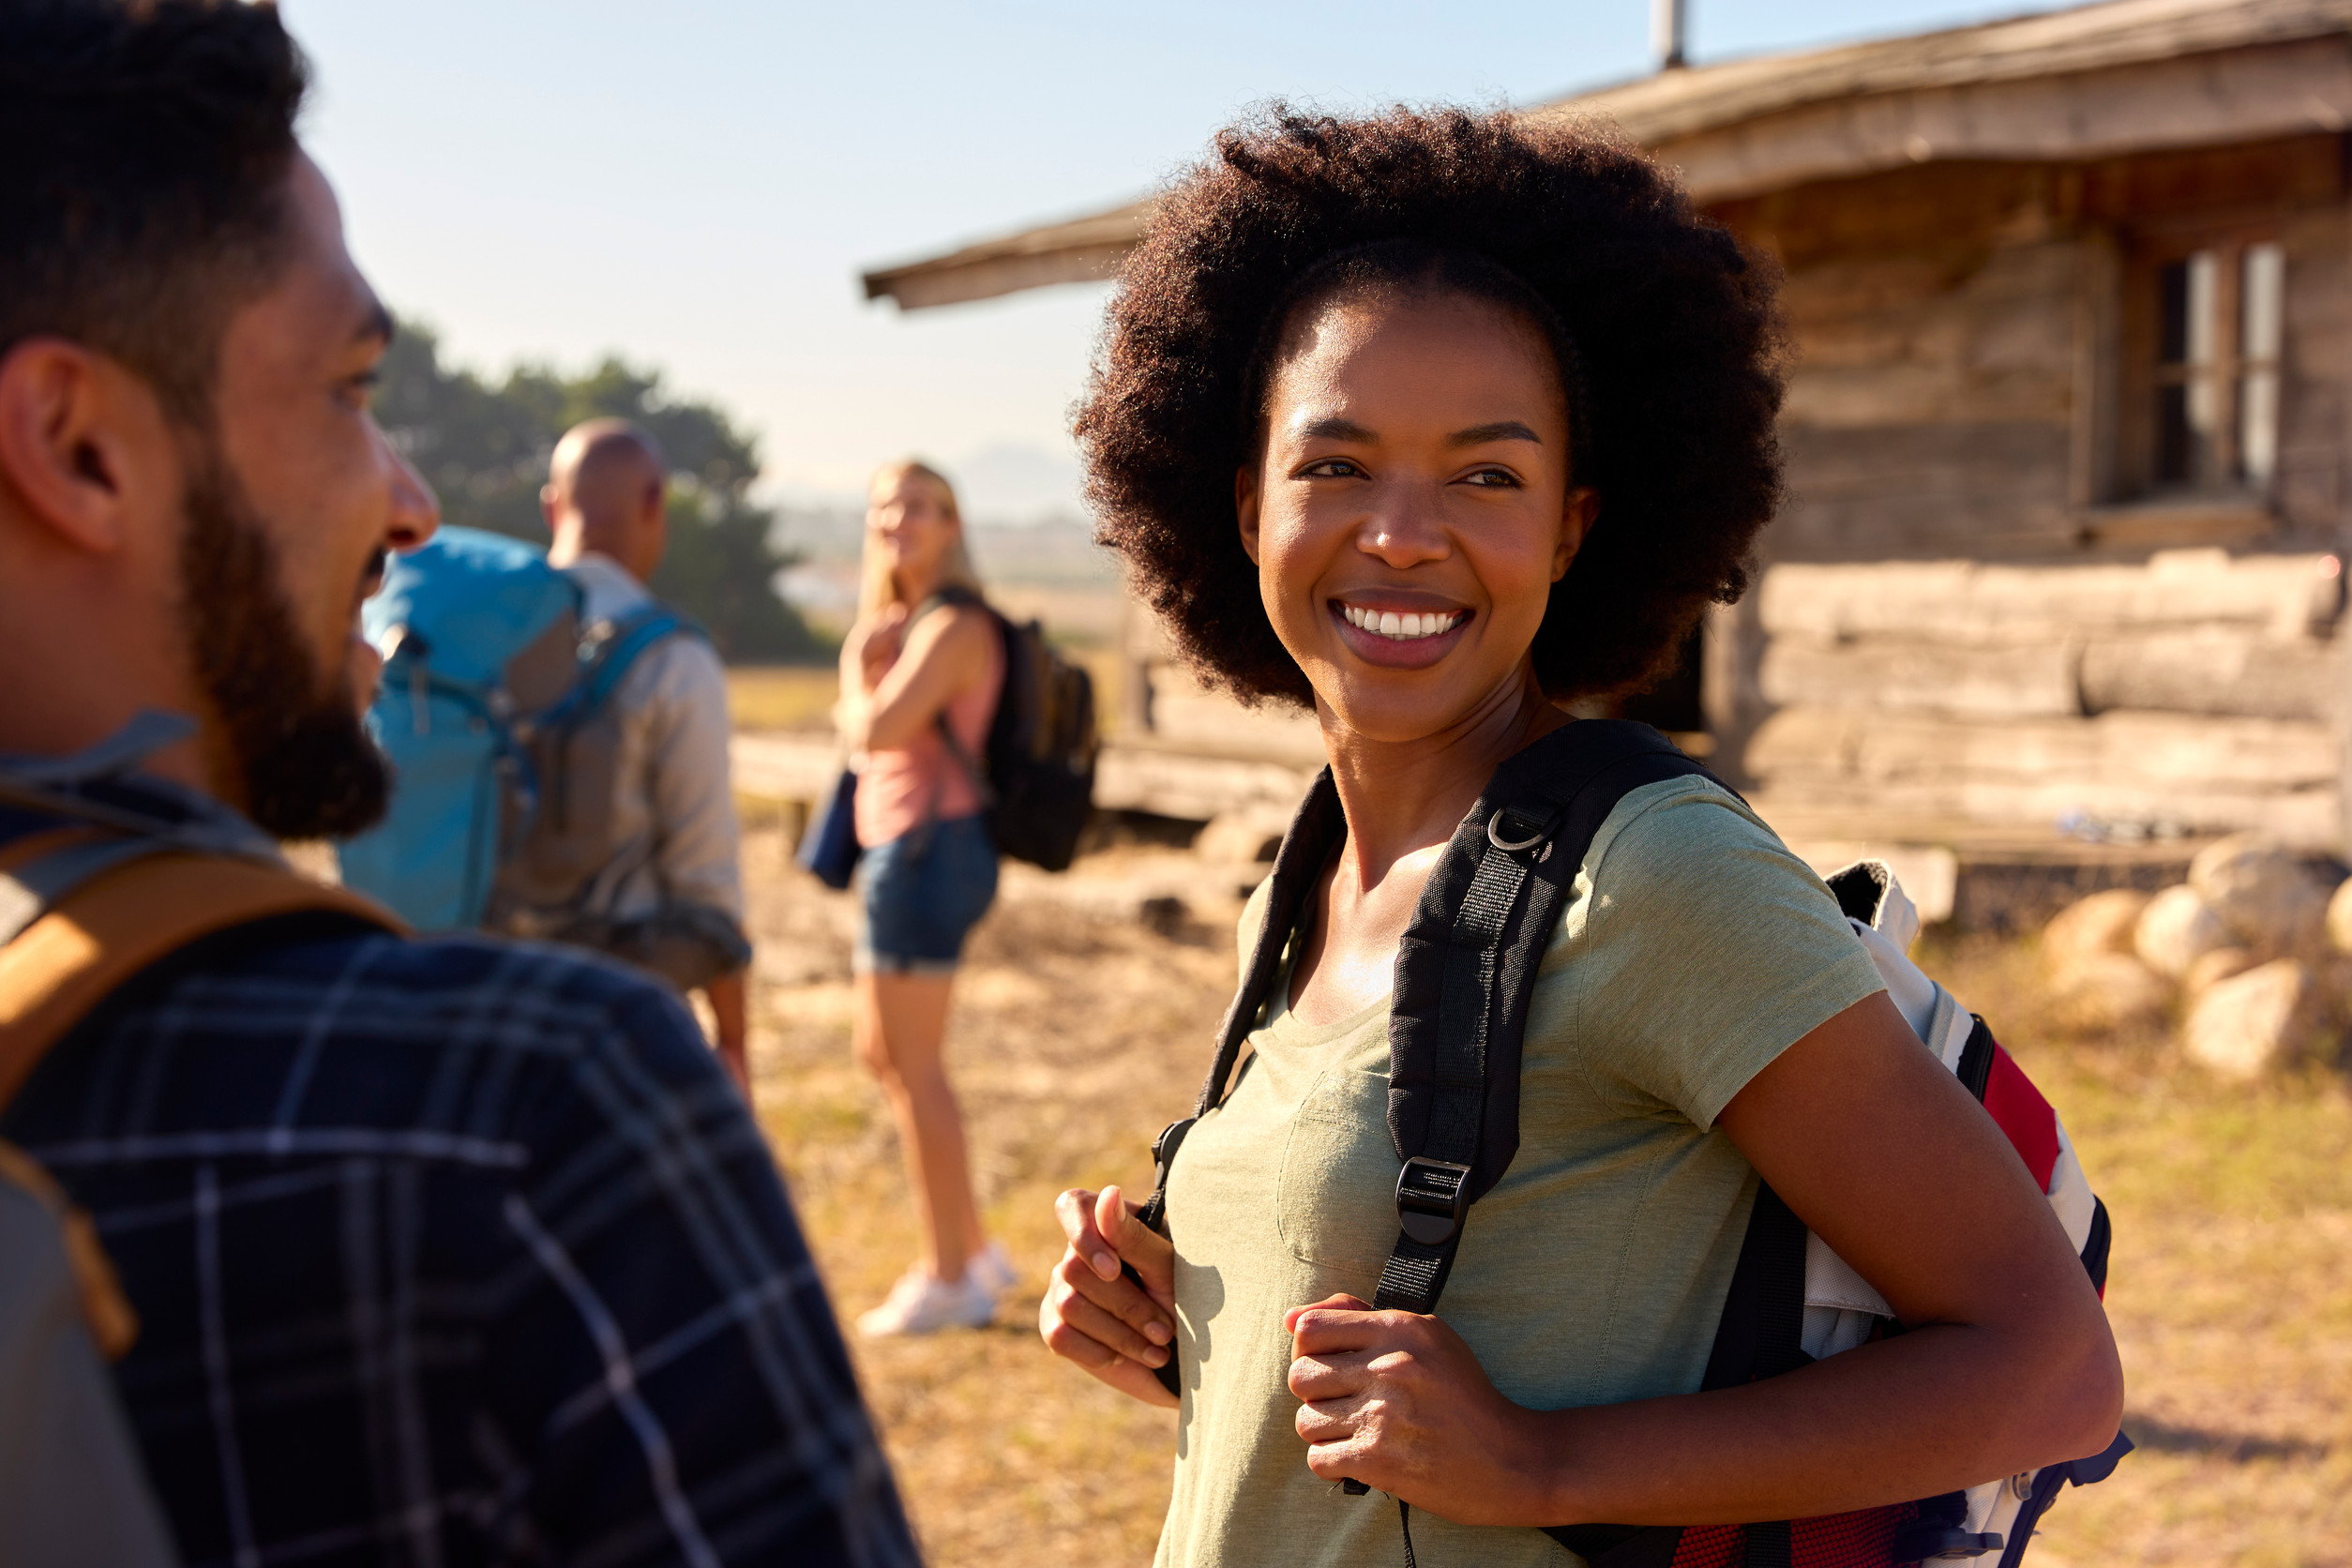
[(1674, 366), (1436, 422)]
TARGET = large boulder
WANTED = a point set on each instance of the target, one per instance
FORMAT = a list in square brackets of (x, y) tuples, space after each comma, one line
[(2176, 930), (2100, 924), (2100, 993), (2218, 965), (2269, 1018), (2340, 918), (2266, 894)]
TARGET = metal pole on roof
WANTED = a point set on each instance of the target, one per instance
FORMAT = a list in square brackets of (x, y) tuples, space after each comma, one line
[(1668, 24)]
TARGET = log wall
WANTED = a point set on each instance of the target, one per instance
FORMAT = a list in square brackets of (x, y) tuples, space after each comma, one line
[(1972, 351), (1930, 417), (1975, 607), (2194, 693)]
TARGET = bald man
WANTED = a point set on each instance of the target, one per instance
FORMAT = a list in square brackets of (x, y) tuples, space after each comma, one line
[(675, 876)]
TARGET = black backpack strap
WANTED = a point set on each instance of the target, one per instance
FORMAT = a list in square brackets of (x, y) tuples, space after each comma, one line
[(1466, 973), (1316, 830)]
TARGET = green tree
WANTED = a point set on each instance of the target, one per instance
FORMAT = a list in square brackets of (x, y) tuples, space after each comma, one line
[(485, 450)]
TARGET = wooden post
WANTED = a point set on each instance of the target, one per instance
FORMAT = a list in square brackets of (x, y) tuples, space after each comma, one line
[(2091, 469), (2344, 560)]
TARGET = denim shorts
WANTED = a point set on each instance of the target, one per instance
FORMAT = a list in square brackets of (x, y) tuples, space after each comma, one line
[(922, 893)]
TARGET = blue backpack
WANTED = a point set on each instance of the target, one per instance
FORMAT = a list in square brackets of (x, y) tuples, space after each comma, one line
[(495, 715)]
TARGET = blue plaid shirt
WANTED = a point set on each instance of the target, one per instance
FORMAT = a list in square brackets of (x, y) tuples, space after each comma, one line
[(452, 1252)]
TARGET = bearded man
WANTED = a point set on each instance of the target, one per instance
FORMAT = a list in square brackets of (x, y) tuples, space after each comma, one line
[(440, 1250)]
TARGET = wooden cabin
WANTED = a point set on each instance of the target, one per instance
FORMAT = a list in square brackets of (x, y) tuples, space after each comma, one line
[(2067, 429)]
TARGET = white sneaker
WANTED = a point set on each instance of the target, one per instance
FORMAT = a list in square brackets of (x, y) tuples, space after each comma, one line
[(991, 1269), (919, 1303)]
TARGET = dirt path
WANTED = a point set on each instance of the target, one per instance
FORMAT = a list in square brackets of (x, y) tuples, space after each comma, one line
[(1080, 1029)]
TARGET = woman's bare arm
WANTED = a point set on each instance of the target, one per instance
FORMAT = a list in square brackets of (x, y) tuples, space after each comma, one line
[(2008, 1364), (945, 654)]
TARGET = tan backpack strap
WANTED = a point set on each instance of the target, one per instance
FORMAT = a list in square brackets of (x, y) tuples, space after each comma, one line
[(105, 1309), (118, 923)]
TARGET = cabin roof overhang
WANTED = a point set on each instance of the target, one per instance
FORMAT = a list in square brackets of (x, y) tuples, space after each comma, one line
[(2099, 81)]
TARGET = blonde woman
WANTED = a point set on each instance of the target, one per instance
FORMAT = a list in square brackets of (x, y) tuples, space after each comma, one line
[(920, 673)]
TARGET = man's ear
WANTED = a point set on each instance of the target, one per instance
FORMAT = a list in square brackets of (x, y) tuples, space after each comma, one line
[(1246, 508), (78, 434), (1575, 522), (548, 500)]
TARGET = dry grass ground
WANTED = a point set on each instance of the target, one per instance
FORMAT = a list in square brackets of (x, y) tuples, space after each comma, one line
[(1077, 1037), (781, 696), (801, 696)]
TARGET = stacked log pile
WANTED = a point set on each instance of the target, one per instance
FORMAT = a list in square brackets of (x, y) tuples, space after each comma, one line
[(2196, 693)]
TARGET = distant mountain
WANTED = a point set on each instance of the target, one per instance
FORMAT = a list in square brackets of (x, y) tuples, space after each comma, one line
[(1006, 484)]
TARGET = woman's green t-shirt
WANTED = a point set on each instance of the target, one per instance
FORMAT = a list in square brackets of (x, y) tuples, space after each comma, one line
[(1694, 950)]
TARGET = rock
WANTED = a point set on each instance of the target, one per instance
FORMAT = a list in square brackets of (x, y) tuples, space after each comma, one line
[(2339, 919), (2219, 964), (2265, 895), (2254, 1023), (2100, 924), (2174, 930), (2102, 992)]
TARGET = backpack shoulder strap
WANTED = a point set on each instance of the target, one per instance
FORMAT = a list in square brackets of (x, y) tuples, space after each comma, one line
[(110, 928), (1465, 971), (1316, 830), (631, 636)]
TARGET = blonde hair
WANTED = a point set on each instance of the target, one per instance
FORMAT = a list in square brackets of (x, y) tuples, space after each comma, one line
[(876, 588)]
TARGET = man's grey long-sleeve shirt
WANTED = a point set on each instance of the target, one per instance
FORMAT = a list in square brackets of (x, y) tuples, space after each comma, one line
[(673, 811)]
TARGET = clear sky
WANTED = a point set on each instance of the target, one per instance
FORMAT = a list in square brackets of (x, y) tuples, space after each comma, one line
[(695, 184)]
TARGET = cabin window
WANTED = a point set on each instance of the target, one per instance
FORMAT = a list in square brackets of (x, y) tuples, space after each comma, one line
[(2219, 317)]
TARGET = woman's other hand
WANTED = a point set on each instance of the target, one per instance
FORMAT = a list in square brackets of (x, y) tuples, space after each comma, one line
[(1397, 1401), (1093, 1313)]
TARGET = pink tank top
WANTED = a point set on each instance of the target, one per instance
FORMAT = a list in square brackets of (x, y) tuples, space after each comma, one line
[(902, 785)]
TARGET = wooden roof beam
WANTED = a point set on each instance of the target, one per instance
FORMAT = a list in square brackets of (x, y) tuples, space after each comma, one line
[(1085, 251)]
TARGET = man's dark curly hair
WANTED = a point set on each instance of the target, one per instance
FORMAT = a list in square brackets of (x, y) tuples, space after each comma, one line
[(143, 195), (1665, 333)]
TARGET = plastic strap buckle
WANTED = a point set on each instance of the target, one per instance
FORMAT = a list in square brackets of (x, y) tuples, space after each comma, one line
[(1431, 1198), (1944, 1544)]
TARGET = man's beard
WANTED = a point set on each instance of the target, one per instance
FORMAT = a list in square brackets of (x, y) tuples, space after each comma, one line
[(301, 752)]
